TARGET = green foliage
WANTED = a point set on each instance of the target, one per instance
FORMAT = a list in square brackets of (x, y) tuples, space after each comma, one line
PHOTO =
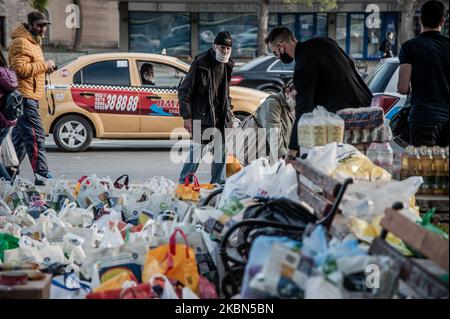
[(39, 4), (323, 4)]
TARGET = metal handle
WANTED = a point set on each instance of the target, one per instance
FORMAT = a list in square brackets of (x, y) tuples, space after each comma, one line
[(153, 97), (87, 94)]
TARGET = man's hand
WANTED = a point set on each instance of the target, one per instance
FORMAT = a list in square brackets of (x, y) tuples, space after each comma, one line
[(50, 66), (188, 125), (291, 157)]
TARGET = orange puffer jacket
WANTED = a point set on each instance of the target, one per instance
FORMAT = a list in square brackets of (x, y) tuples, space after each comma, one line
[(27, 60)]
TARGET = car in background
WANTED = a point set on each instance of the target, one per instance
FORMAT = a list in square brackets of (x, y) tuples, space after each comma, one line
[(102, 96), (266, 73), (382, 82)]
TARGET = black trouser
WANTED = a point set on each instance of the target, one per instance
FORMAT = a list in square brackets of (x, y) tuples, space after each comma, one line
[(29, 138), (429, 134)]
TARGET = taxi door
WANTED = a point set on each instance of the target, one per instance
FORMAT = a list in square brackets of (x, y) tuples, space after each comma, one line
[(104, 87), (159, 107)]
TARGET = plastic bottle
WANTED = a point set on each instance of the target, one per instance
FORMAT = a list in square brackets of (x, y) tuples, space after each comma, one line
[(382, 155), (387, 157), (446, 177), (439, 171), (414, 163), (426, 160), (397, 167), (404, 171), (373, 153)]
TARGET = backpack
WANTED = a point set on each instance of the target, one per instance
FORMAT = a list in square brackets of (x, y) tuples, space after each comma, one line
[(12, 107)]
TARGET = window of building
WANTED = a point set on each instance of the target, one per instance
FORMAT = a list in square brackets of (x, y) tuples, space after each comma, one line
[(113, 72), (165, 75), (357, 35), (341, 29), (322, 25), (306, 27), (243, 27), (153, 32)]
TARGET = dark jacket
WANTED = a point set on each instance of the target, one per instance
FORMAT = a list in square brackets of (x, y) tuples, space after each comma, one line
[(325, 75), (195, 92), (386, 48)]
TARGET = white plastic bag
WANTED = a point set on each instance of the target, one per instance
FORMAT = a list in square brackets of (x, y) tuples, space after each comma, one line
[(262, 179), (112, 238), (76, 216), (367, 200), (168, 291), (8, 153), (343, 161)]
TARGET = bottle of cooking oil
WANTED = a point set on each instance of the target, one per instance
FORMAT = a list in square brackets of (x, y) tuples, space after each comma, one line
[(439, 171), (446, 177), (414, 162), (404, 170), (427, 172)]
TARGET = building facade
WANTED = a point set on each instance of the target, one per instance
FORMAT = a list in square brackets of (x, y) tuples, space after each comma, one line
[(184, 28), (99, 23)]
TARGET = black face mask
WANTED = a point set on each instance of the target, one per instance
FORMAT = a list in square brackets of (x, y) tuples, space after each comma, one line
[(285, 58)]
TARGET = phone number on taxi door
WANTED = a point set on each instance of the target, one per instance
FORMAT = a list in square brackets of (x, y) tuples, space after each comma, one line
[(111, 102)]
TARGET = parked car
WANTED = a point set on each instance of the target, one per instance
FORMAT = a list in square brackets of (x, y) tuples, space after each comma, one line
[(102, 96), (266, 73), (382, 81)]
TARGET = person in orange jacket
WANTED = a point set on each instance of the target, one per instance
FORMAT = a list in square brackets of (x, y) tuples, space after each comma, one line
[(27, 60)]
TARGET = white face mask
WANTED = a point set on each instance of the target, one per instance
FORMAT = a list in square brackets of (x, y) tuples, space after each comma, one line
[(222, 58), (149, 78)]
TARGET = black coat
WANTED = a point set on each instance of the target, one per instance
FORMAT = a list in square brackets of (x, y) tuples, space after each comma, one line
[(325, 75), (195, 92)]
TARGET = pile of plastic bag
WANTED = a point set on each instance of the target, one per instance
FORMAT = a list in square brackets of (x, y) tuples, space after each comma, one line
[(316, 268)]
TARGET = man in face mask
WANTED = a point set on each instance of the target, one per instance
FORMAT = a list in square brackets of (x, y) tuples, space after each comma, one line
[(27, 60), (148, 74), (204, 96), (323, 75)]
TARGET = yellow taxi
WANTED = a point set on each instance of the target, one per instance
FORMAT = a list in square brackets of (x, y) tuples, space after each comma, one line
[(103, 96)]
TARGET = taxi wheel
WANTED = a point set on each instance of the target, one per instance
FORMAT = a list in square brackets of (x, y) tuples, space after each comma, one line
[(72, 133)]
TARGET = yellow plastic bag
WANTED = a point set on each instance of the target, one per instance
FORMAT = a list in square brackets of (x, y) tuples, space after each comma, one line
[(191, 192), (116, 282), (175, 261), (367, 232), (360, 167), (232, 165)]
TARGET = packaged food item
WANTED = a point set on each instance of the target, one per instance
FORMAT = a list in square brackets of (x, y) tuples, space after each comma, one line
[(362, 118), (320, 128)]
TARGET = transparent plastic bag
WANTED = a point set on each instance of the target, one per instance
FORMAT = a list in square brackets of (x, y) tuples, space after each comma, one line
[(366, 200), (320, 128)]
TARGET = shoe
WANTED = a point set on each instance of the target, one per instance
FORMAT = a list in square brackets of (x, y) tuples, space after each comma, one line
[(41, 180)]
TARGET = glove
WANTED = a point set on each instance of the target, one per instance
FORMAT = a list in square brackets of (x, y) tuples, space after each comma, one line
[(4, 123)]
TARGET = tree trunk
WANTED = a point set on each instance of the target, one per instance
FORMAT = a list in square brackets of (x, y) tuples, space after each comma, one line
[(77, 41), (263, 21)]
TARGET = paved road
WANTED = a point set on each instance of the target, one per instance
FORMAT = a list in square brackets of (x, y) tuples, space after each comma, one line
[(139, 159)]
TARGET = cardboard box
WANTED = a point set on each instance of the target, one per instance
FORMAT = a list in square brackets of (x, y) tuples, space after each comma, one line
[(34, 289)]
